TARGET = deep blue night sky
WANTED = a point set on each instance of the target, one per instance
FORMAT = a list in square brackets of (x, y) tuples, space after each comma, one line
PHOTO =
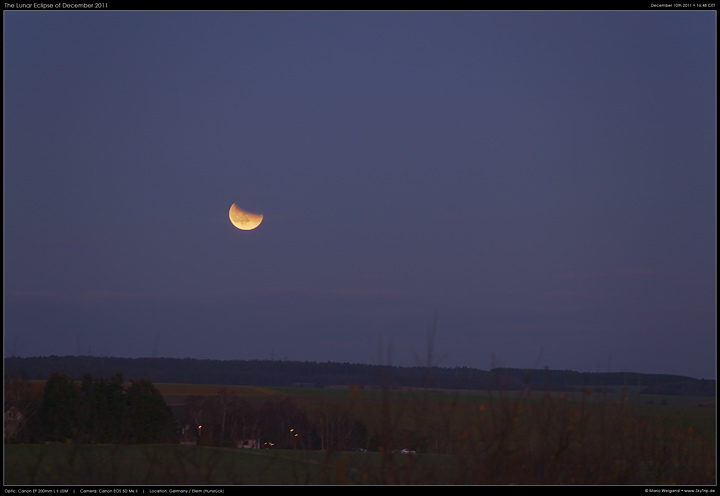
[(542, 182)]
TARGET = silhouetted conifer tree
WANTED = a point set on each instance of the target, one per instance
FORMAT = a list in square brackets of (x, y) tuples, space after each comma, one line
[(150, 419), (59, 408)]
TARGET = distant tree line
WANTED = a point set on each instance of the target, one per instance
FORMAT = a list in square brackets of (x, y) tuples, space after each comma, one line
[(92, 410), (320, 374)]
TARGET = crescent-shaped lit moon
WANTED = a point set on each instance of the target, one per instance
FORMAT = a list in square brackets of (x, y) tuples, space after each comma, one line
[(244, 220)]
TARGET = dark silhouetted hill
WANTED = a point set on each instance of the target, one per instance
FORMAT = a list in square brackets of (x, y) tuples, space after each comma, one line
[(321, 374)]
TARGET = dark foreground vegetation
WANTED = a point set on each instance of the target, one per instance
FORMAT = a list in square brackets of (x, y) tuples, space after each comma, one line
[(86, 411), (110, 432)]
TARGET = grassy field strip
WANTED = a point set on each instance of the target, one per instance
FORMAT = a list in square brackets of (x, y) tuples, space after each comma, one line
[(173, 465), (176, 389), (304, 457), (333, 465)]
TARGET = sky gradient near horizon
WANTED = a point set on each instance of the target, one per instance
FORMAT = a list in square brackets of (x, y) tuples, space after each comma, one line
[(517, 189)]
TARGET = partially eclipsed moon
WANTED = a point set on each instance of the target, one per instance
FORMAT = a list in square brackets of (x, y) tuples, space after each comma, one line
[(244, 220)]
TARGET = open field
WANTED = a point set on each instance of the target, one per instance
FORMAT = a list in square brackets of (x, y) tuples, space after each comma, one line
[(201, 465), (176, 393), (341, 393)]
